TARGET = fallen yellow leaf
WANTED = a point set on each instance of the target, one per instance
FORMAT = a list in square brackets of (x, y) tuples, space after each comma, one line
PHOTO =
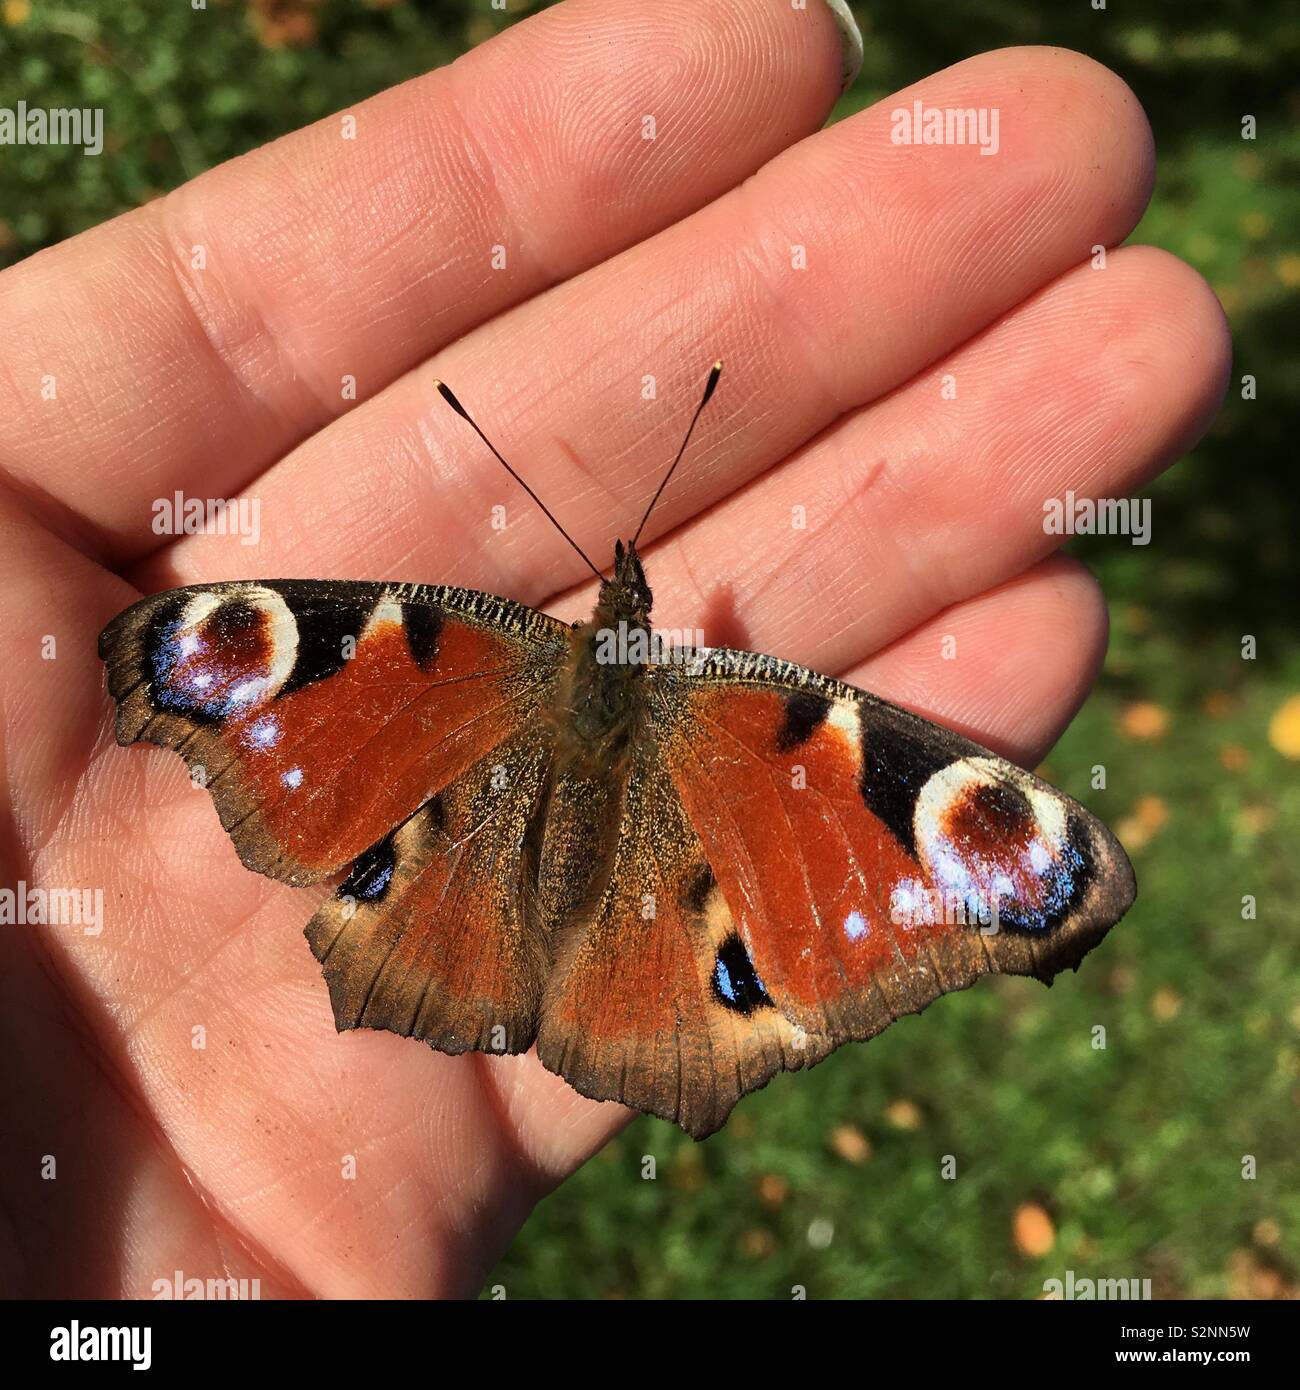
[(1144, 720), (849, 1143), (773, 1189), (1136, 829), (1284, 728), (903, 1114), (1165, 1004), (1032, 1230)]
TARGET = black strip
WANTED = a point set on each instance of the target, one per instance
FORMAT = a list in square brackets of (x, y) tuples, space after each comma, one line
[(896, 764), (804, 716), (321, 633), (805, 713), (371, 873), (423, 627)]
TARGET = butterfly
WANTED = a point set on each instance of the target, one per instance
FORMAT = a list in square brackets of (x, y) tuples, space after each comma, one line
[(676, 872)]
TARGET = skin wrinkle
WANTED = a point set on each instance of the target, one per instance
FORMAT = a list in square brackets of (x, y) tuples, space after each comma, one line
[(748, 251), (188, 978), (573, 457), (167, 249), (930, 595), (511, 229), (306, 1281), (487, 488)]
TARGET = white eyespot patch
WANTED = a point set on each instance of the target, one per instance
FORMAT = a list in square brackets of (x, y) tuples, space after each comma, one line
[(993, 837), (224, 654)]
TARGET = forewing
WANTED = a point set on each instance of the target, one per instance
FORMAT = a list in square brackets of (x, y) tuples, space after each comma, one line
[(321, 715)]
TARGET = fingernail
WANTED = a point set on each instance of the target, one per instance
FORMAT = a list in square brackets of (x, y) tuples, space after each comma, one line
[(851, 38)]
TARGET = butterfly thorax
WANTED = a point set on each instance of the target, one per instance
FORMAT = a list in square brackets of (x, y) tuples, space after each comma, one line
[(608, 660)]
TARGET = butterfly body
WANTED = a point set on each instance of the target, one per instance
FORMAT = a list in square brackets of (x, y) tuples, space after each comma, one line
[(674, 873), (602, 682)]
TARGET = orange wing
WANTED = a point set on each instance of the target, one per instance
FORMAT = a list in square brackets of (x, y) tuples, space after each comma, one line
[(828, 863), (433, 933), (321, 715)]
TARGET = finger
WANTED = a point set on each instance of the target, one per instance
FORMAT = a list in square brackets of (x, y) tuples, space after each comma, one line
[(908, 252), (53, 704), (918, 502), (1009, 667), (195, 340)]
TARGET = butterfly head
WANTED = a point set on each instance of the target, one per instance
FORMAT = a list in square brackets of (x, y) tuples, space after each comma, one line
[(626, 595)]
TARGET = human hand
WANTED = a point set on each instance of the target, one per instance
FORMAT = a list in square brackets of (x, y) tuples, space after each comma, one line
[(326, 258)]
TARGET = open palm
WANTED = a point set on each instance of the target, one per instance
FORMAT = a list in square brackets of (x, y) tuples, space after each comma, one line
[(568, 225)]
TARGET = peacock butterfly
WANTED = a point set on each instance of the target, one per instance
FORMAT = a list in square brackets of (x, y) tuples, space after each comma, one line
[(676, 872)]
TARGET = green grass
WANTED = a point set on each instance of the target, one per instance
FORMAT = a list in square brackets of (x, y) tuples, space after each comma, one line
[(1134, 1152)]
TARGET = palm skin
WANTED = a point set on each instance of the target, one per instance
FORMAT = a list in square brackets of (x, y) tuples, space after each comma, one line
[(175, 1096)]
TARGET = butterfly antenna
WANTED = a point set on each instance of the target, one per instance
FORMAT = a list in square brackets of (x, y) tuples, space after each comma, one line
[(710, 385), (446, 393)]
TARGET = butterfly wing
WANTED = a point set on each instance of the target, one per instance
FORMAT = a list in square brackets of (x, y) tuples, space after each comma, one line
[(321, 715), (391, 731), (828, 863), (637, 1008), (433, 934)]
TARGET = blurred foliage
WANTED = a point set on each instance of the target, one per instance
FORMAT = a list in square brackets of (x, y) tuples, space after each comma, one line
[(1122, 1162)]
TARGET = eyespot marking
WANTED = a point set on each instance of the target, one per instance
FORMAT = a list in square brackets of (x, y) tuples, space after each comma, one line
[(218, 654), (1005, 844), (736, 984), (371, 873)]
